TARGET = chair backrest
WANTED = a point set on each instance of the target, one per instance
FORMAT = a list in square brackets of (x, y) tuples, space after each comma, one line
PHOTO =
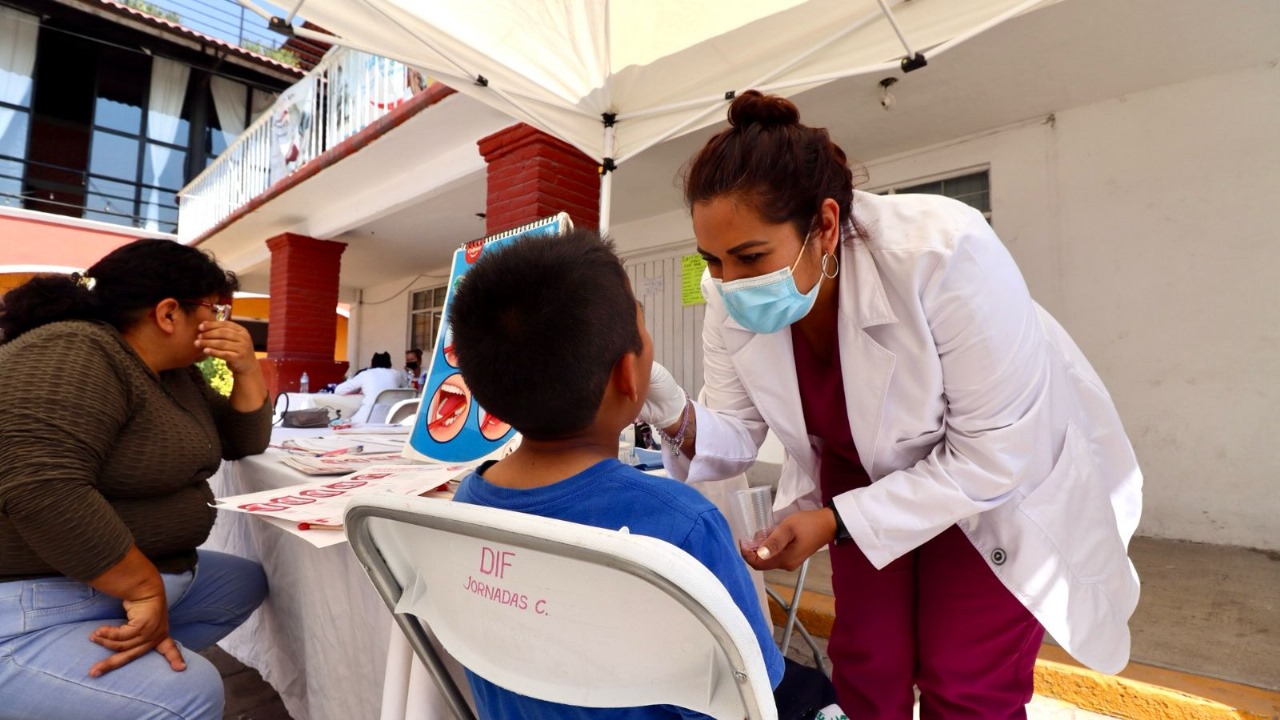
[(560, 611), (403, 412), (384, 400)]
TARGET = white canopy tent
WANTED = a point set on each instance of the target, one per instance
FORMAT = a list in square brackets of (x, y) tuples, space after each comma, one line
[(615, 77)]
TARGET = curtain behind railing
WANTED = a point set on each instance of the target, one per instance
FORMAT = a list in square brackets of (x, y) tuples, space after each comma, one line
[(18, 31), (345, 93), (164, 113)]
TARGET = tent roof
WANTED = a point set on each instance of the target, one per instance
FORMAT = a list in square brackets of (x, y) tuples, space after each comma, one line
[(661, 67)]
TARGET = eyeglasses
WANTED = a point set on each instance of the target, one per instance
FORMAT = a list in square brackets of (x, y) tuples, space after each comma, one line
[(220, 311)]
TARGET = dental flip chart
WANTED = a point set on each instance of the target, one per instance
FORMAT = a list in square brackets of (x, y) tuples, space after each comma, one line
[(451, 427)]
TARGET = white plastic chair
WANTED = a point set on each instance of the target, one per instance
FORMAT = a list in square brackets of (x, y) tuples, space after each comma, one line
[(403, 412), (559, 611), (385, 400)]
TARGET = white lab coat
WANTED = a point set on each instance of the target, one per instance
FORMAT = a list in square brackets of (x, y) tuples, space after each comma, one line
[(969, 405), (370, 383)]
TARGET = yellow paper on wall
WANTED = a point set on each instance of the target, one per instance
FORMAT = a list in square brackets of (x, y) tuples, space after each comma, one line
[(691, 267)]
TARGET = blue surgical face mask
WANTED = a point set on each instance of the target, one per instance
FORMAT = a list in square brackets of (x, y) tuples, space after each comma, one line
[(767, 303)]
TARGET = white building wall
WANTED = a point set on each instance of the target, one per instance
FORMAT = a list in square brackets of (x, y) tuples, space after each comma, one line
[(1142, 223), (676, 328), (380, 318)]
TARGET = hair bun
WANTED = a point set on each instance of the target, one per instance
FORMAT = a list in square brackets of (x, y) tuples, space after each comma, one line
[(753, 107)]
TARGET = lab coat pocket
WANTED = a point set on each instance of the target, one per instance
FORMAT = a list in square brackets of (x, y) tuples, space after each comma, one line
[(1072, 509)]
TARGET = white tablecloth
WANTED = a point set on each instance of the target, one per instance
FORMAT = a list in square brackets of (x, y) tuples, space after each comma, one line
[(322, 637)]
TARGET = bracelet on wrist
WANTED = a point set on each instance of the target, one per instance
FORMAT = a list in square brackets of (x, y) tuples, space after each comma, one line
[(675, 442)]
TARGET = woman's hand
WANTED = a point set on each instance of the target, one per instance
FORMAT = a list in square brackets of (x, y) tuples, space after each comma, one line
[(798, 536), (665, 403), (146, 628), (135, 581), (230, 342)]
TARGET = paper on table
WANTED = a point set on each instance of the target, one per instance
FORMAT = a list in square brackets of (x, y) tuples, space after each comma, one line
[(387, 439), (375, 429), (352, 444), (318, 538), (323, 502), (340, 464)]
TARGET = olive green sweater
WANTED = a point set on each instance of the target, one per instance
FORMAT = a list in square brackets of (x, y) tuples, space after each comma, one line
[(98, 453)]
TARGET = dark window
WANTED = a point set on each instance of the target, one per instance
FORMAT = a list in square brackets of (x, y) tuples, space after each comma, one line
[(973, 189), (122, 91), (81, 147), (62, 114), (13, 148), (426, 312)]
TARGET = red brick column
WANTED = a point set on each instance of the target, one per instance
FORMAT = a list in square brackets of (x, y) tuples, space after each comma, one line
[(303, 329), (533, 175)]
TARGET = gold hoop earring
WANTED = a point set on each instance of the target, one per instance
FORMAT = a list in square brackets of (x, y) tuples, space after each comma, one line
[(835, 260)]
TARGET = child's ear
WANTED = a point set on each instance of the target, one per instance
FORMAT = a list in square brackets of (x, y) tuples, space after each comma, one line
[(625, 377)]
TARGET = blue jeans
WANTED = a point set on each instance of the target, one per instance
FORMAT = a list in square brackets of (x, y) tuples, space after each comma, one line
[(45, 652)]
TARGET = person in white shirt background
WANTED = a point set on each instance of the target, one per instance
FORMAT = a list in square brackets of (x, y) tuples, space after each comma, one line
[(413, 369), (380, 376)]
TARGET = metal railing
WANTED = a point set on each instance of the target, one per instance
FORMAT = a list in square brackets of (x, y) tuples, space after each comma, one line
[(345, 93)]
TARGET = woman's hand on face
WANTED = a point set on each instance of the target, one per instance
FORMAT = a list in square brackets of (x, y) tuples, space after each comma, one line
[(230, 342), (146, 628), (798, 536)]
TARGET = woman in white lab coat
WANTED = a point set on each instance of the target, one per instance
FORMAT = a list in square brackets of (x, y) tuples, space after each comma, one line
[(943, 434)]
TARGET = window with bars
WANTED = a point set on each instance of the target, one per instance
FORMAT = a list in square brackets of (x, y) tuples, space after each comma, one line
[(973, 189), (90, 137), (426, 314)]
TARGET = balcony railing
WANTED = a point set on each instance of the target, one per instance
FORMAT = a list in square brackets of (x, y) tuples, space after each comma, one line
[(346, 92)]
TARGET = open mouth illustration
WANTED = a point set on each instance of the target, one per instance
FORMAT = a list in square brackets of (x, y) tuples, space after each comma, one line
[(449, 407), (491, 427)]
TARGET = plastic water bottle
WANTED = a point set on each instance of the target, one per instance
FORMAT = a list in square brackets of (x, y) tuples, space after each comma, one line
[(304, 385)]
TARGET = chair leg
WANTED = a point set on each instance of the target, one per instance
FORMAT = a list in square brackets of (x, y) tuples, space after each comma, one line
[(795, 605), (793, 623)]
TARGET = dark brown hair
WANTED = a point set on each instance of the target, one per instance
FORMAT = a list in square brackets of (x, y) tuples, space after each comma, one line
[(770, 161), (538, 325), (128, 281)]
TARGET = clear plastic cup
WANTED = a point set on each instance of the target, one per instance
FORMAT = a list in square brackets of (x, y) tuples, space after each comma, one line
[(754, 508), (627, 445)]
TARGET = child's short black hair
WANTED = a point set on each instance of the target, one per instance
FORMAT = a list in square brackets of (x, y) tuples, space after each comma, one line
[(538, 326)]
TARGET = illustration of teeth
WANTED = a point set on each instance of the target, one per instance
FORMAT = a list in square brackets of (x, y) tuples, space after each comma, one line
[(459, 406)]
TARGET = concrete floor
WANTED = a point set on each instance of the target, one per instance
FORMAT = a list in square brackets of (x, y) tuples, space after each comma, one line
[(250, 698), (1208, 610)]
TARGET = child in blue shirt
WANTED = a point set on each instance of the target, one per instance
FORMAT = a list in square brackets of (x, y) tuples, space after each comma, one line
[(550, 338)]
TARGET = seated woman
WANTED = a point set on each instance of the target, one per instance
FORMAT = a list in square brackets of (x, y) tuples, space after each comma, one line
[(103, 491), (380, 376)]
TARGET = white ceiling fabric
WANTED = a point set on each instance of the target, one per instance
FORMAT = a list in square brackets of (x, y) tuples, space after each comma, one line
[(662, 66)]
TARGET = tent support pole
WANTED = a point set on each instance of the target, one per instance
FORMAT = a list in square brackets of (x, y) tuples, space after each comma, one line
[(248, 5), (893, 22), (294, 11), (606, 176)]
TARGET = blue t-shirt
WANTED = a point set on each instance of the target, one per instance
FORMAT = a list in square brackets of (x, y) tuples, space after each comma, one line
[(612, 495)]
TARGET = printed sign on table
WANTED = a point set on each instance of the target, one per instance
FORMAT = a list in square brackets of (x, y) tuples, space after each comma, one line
[(309, 509), (451, 426)]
